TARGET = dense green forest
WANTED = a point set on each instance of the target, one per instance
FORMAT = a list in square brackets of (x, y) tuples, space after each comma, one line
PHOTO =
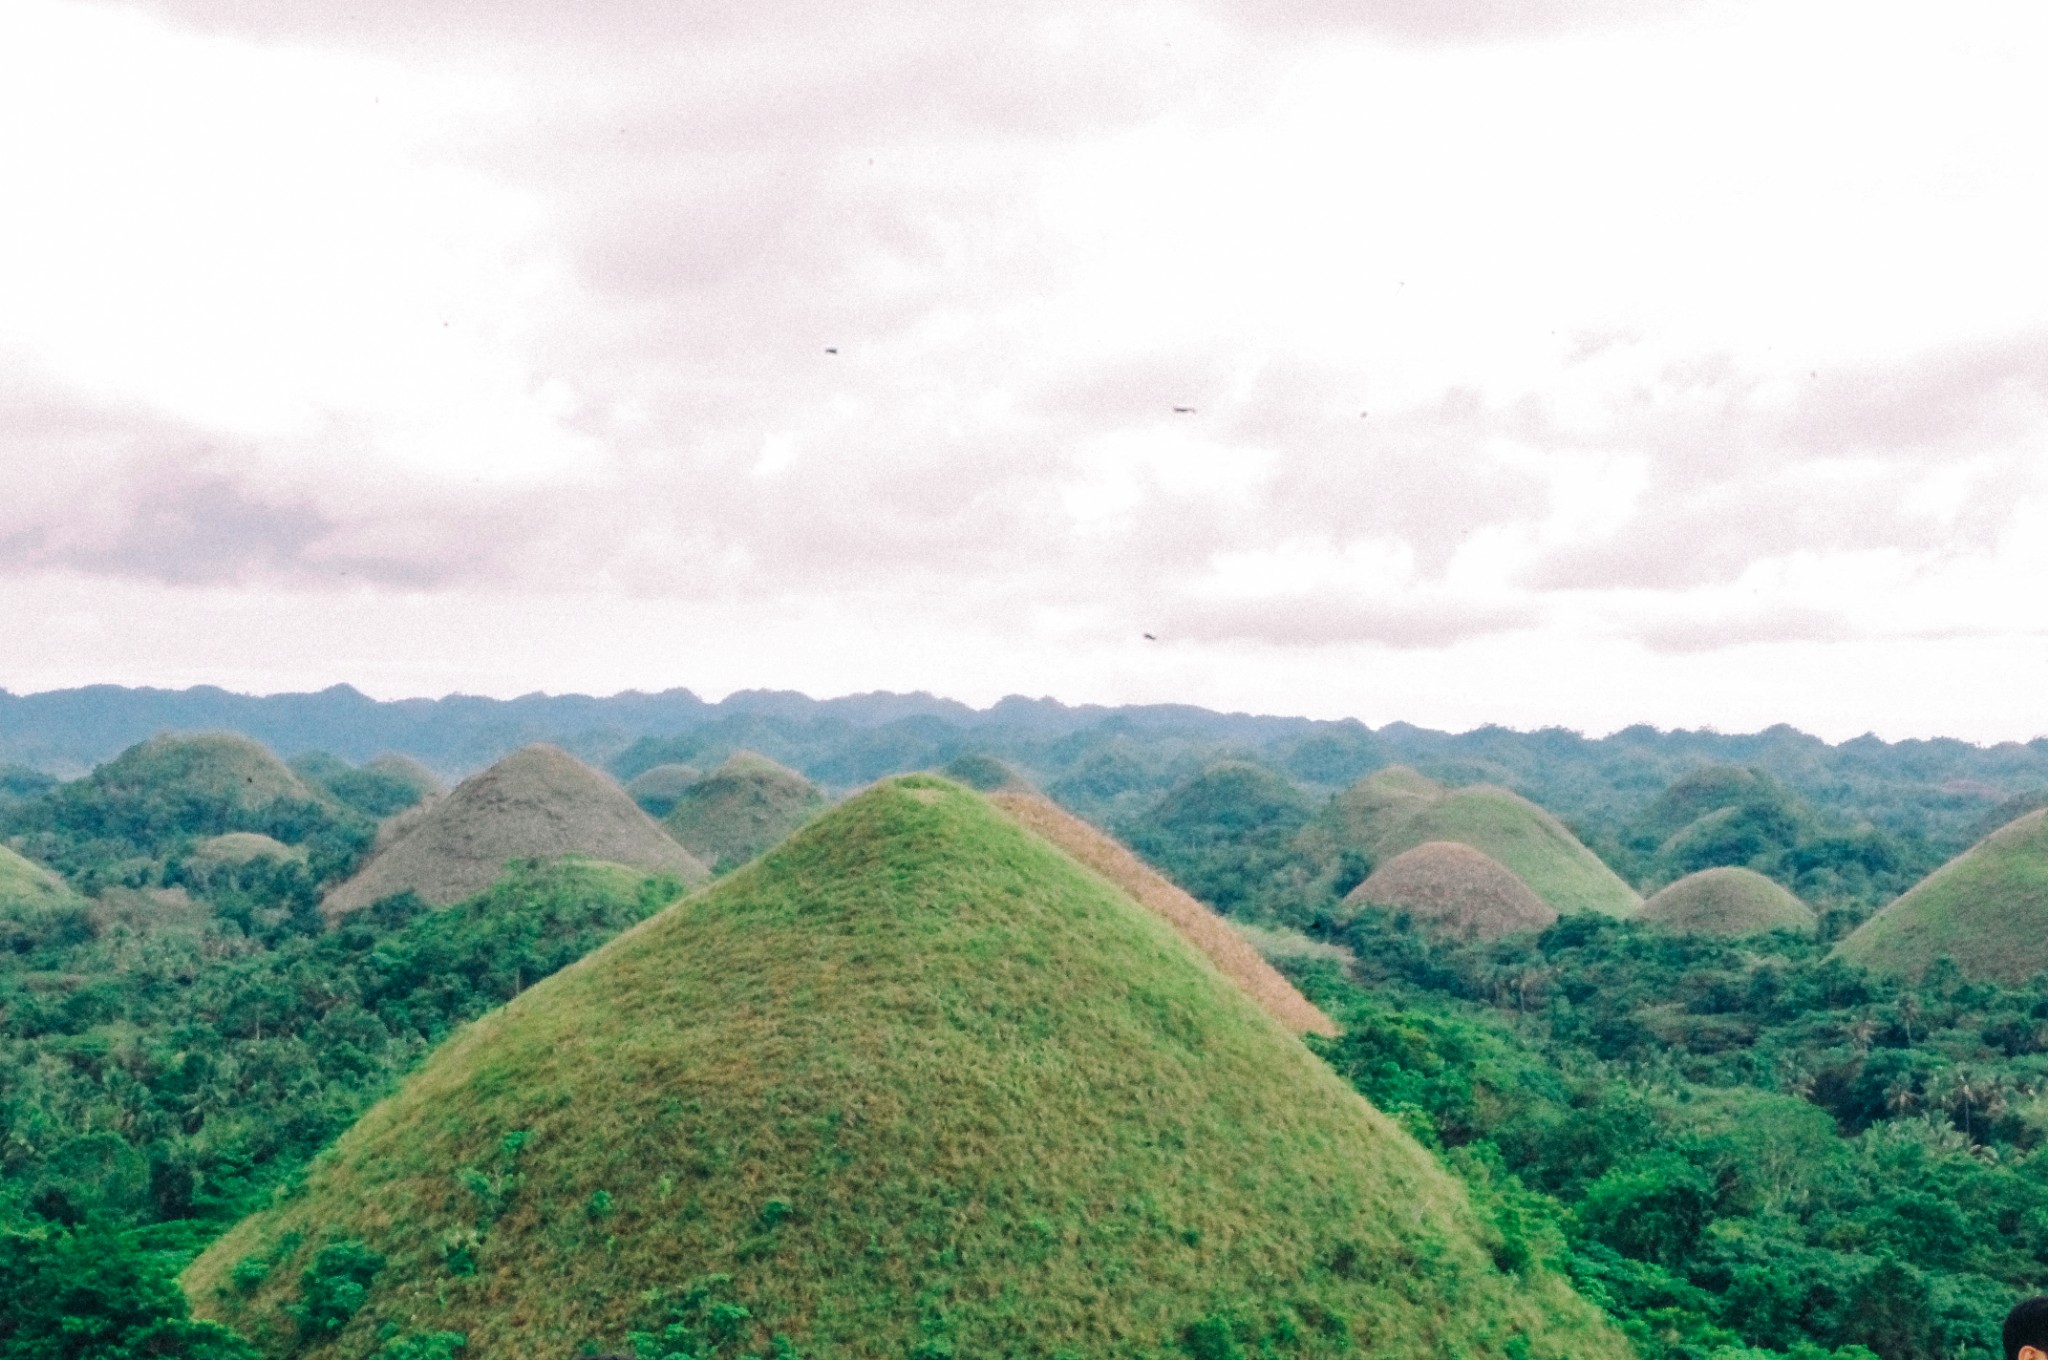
[(1741, 1149)]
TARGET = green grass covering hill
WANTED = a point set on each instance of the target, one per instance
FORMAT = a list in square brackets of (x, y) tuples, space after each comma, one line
[(740, 809), (26, 885), (1727, 901), (1395, 811), (1987, 909), (656, 790), (912, 1085)]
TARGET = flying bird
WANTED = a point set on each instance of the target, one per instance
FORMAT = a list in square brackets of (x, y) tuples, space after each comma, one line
[(1150, 638), (831, 349), (1183, 410)]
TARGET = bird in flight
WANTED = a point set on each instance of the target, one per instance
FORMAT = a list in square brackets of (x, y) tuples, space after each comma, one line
[(1183, 410), (831, 349), (1150, 638)]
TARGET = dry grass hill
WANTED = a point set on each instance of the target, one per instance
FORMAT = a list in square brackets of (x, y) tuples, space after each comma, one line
[(740, 809), (1987, 909), (1448, 888), (914, 1084), (240, 847), (1728, 902), (1396, 810), (1229, 950), (537, 803)]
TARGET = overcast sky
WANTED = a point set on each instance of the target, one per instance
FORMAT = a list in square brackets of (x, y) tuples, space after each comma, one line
[(1575, 361)]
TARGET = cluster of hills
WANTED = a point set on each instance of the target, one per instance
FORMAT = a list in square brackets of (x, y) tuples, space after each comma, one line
[(691, 1049)]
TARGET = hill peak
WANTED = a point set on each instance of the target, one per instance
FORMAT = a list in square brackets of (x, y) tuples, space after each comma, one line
[(912, 1083), (539, 802)]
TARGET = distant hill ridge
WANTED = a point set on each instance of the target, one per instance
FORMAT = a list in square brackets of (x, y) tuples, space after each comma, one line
[(912, 1084), (537, 803)]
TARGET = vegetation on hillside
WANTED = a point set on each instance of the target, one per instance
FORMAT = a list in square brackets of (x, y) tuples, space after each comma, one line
[(1727, 901), (914, 1084), (740, 809)]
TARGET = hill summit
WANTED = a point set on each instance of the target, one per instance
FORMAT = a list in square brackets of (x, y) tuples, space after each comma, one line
[(540, 802), (740, 809), (913, 1084), (1987, 909), (1727, 901), (1452, 889), (1396, 810)]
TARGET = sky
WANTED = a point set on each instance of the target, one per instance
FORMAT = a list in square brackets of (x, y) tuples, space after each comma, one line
[(1448, 361)]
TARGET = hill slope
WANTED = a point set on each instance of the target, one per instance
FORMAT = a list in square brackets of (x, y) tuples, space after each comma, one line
[(1987, 909), (1727, 901), (1452, 889), (1396, 810), (537, 803), (918, 1085), (1232, 954), (740, 809), (26, 884)]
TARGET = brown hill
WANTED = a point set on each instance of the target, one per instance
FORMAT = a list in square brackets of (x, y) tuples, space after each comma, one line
[(1450, 888), (537, 803), (1233, 955)]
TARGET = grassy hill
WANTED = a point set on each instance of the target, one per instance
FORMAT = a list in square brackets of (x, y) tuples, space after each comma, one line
[(1234, 956), (1225, 834), (740, 809), (657, 789), (1396, 810), (1987, 909), (914, 1084), (537, 803), (26, 885), (1451, 889), (1727, 901)]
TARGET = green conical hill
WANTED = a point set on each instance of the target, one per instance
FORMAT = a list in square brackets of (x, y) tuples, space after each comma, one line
[(919, 1085), (211, 767), (1451, 889), (1727, 901), (1987, 909), (1396, 810), (985, 773), (25, 883), (240, 847), (740, 809), (537, 803), (656, 789)]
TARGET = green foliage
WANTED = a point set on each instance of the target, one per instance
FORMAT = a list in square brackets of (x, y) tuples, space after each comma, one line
[(740, 809), (423, 1346), (1738, 1149), (93, 1295), (1227, 836), (333, 1288)]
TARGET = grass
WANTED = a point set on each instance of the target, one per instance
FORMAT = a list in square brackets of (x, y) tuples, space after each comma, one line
[(217, 766), (1987, 909), (1401, 813), (921, 1087), (1727, 901), (26, 884), (1449, 888), (740, 809)]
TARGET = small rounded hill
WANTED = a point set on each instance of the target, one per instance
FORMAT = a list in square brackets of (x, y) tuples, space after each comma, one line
[(1729, 902), (1395, 810), (657, 788), (1987, 909), (537, 803), (1449, 888), (740, 809), (914, 1084)]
